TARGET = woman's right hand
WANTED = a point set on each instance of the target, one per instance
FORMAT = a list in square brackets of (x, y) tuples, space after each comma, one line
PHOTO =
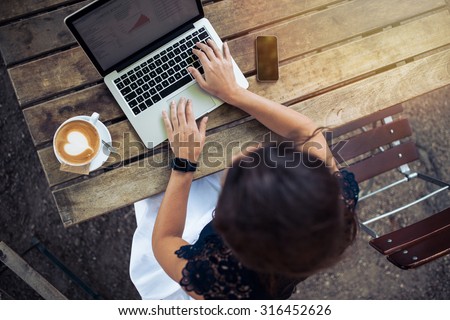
[(219, 79)]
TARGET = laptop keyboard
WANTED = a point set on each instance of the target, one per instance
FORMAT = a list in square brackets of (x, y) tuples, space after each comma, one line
[(162, 74)]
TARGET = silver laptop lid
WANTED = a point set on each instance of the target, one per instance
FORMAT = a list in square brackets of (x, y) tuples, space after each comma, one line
[(116, 33)]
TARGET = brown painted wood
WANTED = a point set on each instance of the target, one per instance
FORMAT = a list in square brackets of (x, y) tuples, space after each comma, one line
[(384, 161), (40, 34), (368, 141), (435, 246), (31, 277), (407, 236), (371, 118)]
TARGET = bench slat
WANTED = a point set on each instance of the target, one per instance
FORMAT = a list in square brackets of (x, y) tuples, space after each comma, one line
[(31, 277), (371, 118), (372, 139), (384, 161), (431, 248), (405, 237)]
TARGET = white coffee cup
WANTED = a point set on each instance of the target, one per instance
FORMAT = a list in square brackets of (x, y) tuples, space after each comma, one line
[(77, 141)]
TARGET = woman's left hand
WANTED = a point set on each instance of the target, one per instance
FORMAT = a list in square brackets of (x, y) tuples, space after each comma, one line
[(185, 137)]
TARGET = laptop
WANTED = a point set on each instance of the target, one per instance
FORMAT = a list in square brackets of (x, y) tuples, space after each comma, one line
[(142, 49)]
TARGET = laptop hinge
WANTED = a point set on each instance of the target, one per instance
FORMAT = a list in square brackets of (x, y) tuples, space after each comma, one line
[(152, 47)]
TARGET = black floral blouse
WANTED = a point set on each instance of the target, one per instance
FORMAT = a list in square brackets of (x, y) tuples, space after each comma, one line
[(214, 272)]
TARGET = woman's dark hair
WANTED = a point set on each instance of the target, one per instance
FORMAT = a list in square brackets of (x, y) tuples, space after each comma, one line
[(281, 212)]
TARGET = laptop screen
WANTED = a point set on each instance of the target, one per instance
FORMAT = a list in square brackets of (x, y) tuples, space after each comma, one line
[(117, 29)]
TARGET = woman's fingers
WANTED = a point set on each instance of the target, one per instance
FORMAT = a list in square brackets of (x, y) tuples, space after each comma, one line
[(215, 48), (181, 113), (168, 126), (202, 126), (210, 53), (190, 117), (226, 51), (198, 77), (173, 116)]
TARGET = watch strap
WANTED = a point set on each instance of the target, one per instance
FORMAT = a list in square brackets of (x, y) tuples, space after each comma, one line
[(184, 165)]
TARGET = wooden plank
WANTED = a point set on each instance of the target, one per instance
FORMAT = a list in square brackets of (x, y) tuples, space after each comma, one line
[(234, 17), (378, 92), (13, 9), (31, 277), (92, 197), (47, 32), (38, 35), (367, 55), (384, 161), (411, 234), (44, 119), (327, 27), (43, 79), (48, 76)]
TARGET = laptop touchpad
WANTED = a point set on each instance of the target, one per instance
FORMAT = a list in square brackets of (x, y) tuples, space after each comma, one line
[(201, 101)]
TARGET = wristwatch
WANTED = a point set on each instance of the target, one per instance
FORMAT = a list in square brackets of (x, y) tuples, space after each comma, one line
[(183, 165)]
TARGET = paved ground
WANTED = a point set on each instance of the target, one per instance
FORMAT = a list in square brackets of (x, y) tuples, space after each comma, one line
[(98, 251)]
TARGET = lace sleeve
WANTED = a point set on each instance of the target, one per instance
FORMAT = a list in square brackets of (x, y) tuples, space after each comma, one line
[(212, 271), (349, 188)]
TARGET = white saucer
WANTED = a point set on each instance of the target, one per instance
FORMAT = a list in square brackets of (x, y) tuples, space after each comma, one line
[(104, 152)]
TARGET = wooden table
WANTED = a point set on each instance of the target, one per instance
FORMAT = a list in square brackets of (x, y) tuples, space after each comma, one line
[(340, 60)]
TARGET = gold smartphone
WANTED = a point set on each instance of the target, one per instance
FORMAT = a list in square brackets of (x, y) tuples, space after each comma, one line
[(267, 58)]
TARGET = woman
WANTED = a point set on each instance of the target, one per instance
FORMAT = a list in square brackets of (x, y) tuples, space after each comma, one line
[(283, 213)]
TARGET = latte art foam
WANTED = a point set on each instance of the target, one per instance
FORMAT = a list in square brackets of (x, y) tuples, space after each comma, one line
[(77, 142)]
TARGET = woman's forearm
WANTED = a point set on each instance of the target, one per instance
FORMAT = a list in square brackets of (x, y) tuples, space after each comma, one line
[(286, 122), (172, 213), (278, 118)]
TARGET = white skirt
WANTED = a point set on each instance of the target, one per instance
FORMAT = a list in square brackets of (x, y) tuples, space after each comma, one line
[(147, 275)]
